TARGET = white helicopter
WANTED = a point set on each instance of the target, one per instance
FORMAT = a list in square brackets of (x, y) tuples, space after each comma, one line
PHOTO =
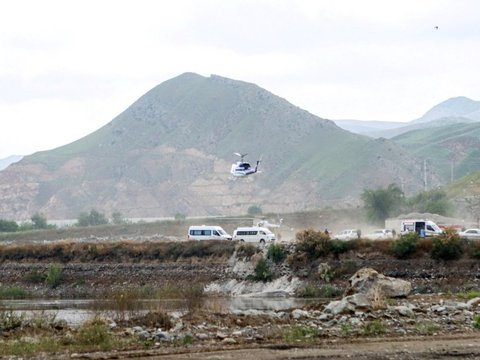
[(242, 168)]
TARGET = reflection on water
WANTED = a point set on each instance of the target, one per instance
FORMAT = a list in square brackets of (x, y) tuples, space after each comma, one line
[(75, 312)]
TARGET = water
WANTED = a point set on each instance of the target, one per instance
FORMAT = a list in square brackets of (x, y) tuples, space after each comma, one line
[(75, 312)]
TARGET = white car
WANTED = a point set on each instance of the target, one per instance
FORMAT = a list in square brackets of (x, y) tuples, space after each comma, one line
[(379, 234), (473, 234), (348, 234)]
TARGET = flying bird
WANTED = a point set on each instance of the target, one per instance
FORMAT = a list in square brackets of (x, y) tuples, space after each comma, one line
[(435, 27)]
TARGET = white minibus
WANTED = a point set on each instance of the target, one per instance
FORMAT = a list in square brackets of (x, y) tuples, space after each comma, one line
[(254, 234), (207, 232)]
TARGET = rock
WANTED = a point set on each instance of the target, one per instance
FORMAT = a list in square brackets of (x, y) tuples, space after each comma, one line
[(473, 302), (229, 340), (298, 314), (161, 336), (405, 311), (369, 281), (221, 335), (202, 336), (349, 304), (143, 335)]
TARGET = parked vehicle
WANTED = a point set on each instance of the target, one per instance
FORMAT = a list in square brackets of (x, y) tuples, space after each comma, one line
[(472, 234), (379, 234), (207, 232), (254, 234), (422, 227), (348, 234)]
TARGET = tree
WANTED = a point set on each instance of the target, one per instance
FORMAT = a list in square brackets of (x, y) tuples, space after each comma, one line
[(8, 225), (381, 203), (39, 221), (254, 210), (434, 201), (117, 218), (93, 218)]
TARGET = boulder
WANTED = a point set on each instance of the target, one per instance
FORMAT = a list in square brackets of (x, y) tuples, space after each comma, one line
[(369, 281), (349, 304)]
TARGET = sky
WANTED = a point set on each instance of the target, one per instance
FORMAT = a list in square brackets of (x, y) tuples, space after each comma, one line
[(69, 67)]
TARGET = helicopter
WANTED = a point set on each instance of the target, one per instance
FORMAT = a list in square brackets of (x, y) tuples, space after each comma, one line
[(242, 168)]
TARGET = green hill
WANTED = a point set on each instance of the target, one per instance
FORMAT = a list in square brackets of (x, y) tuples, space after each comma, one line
[(172, 149), (452, 151)]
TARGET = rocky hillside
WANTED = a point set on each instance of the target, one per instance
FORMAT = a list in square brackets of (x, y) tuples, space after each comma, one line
[(171, 151)]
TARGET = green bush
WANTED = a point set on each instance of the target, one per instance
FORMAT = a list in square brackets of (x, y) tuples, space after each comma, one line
[(262, 271), (94, 334), (338, 247), (447, 246), (54, 275), (314, 243), (35, 276), (276, 253), (406, 246), (476, 321)]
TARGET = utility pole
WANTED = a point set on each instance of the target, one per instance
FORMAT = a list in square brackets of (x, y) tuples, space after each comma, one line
[(425, 175), (451, 171)]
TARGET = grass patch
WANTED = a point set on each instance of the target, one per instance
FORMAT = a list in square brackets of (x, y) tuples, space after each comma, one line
[(469, 294), (375, 327), (300, 333), (324, 291), (13, 293), (426, 328)]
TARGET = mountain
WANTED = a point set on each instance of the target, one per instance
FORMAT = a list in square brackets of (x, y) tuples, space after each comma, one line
[(9, 160), (455, 107), (452, 111), (171, 151), (453, 151), (366, 127)]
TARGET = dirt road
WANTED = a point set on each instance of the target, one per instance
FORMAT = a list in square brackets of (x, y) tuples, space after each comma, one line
[(412, 348)]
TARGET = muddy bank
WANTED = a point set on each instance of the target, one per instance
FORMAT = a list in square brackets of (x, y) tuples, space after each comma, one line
[(86, 279)]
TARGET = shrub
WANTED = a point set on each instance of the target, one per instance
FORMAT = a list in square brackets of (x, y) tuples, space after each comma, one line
[(10, 320), (54, 275), (447, 246), (247, 250), (276, 253), (405, 246), (476, 321), (35, 277), (314, 243), (194, 297), (94, 333), (262, 271), (338, 247)]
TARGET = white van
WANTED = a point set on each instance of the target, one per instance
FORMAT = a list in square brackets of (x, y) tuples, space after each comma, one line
[(425, 227), (254, 234), (207, 232)]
